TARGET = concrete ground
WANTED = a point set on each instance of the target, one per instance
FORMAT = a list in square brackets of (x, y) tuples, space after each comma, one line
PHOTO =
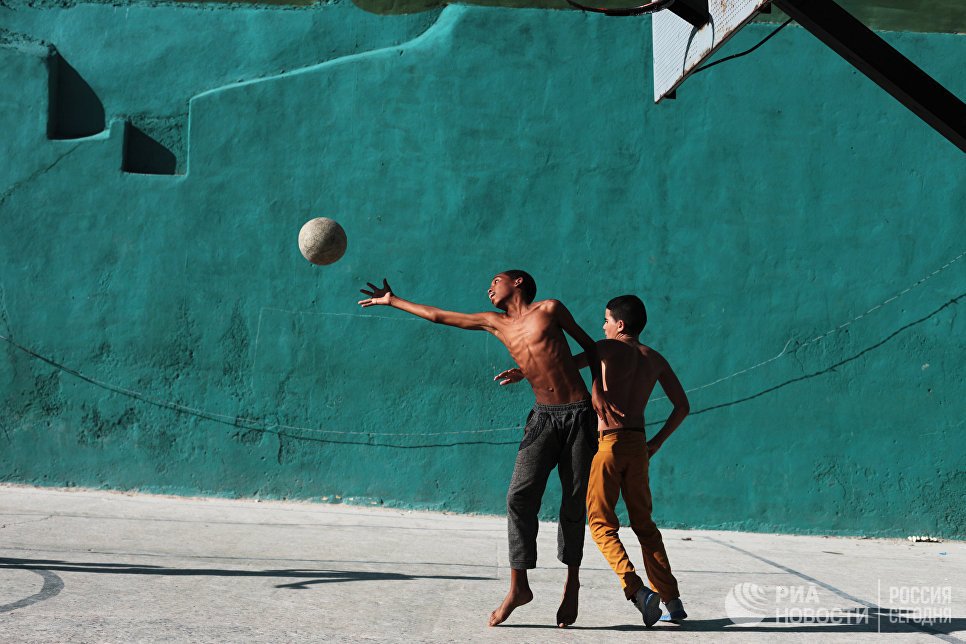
[(94, 566)]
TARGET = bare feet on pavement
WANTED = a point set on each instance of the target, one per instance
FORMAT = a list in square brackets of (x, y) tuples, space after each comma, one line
[(567, 613), (513, 599)]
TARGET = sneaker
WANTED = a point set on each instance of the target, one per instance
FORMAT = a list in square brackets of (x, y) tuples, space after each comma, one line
[(649, 603), (675, 611)]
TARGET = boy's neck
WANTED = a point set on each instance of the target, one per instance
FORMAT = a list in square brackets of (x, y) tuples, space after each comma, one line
[(516, 307), (628, 339)]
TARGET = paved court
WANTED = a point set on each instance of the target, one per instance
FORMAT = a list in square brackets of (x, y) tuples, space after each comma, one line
[(95, 566)]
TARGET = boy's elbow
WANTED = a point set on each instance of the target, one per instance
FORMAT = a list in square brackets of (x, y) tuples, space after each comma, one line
[(684, 408)]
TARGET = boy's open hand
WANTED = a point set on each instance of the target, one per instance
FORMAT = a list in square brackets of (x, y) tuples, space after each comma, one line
[(378, 295), (509, 376)]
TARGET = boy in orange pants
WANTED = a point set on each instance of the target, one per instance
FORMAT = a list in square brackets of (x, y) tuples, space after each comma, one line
[(630, 371)]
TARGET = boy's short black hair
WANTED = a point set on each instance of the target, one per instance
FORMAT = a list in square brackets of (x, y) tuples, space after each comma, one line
[(630, 310), (529, 286)]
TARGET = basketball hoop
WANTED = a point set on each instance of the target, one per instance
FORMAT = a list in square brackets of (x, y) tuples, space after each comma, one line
[(650, 7)]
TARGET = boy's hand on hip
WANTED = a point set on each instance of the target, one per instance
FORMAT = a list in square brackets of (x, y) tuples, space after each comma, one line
[(378, 295), (606, 410), (509, 376)]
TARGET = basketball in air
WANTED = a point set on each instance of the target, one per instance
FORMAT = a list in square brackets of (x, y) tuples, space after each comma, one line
[(322, 241)]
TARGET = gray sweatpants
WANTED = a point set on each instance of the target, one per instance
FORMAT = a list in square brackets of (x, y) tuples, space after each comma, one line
[(564, 436)]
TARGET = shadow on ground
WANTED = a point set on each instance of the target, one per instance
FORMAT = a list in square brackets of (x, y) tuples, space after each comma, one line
[(854, 619), (309, 577), (846, 620)]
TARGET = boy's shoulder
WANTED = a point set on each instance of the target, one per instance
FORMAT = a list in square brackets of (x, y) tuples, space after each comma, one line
[(547, 306), (610, 349), (608, 343), (652, 355)]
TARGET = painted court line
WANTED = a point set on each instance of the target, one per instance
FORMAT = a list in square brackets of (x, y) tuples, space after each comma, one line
[(52, 586), (878, 610)]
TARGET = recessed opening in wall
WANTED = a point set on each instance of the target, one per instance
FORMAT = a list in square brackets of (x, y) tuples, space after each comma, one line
[(73, 109), (144, 155)]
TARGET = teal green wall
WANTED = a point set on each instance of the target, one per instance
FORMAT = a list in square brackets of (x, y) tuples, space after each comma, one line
[(779, 197)]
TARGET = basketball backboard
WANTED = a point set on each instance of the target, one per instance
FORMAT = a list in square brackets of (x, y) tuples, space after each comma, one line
[(681, 43), (688, 32)]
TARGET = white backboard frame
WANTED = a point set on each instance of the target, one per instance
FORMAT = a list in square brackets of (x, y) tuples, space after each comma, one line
[(679, 47)]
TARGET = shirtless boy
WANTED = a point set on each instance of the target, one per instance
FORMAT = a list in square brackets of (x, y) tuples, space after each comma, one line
[(560, 431), (630, 371)]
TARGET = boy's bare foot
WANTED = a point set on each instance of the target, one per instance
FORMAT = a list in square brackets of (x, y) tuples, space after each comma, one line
[(567, 613), (516, 597)]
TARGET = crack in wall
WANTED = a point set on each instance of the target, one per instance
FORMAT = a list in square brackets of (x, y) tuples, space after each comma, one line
[(37, 173), (954, 301), (276, 429), (4, 313)]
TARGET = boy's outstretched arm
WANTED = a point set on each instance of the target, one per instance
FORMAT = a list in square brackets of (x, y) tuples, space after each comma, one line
[(383, 296), (605, 409), (675, 393)]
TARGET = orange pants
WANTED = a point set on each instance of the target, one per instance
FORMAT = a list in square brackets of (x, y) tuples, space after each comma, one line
[(620, 468)]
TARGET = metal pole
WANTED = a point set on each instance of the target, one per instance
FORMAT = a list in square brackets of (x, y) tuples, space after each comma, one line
[(875, 58)]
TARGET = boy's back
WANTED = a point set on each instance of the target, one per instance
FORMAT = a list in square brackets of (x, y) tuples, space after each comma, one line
[(630, 371)]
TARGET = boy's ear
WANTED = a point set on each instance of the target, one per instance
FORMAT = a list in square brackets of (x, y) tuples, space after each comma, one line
[(620, 325), (518, 281)]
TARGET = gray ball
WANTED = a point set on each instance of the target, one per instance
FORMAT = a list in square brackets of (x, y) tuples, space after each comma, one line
[(322, 241)]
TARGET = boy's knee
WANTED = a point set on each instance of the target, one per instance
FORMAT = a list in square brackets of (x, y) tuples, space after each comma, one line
[(601, 526), (646, 531), (518, 501), (574, 509)]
